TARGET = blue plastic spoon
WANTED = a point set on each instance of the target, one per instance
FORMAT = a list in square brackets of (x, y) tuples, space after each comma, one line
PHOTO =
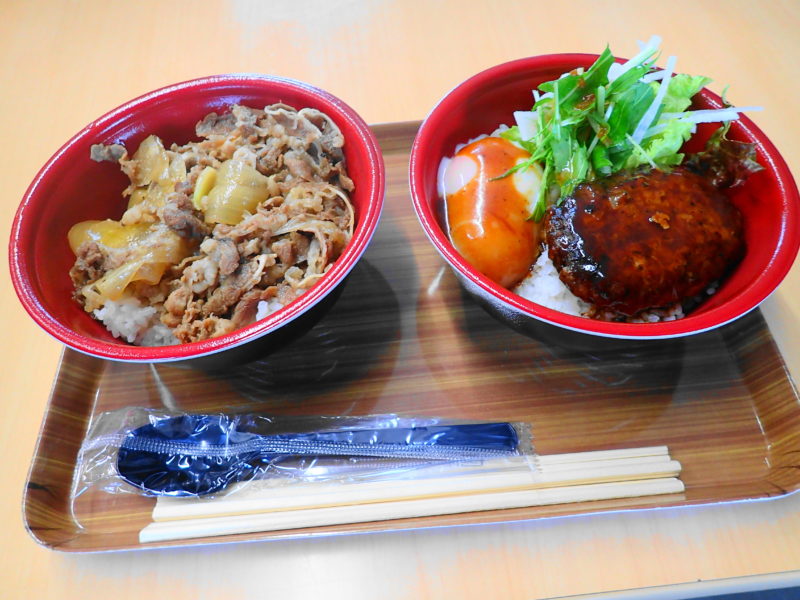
[(194, 455)]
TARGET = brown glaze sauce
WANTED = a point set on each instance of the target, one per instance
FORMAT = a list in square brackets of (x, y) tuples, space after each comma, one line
[(637, 241)]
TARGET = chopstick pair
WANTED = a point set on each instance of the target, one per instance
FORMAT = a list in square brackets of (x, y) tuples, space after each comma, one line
[(517, 482)]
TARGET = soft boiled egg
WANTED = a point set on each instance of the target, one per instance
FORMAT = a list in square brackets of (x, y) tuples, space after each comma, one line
[(488, 218)]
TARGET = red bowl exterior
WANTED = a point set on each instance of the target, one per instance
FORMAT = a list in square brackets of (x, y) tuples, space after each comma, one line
[(768, 200), (71, 188)]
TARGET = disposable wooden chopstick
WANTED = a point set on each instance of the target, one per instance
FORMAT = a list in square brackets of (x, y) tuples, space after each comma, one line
[(281, 494), (402, 509), (481, 479), (594, 455)]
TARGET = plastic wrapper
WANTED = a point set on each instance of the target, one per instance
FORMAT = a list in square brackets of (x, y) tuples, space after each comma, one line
[(160, 453)]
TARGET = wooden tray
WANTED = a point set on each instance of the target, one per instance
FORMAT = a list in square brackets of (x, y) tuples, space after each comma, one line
[(402, 338)]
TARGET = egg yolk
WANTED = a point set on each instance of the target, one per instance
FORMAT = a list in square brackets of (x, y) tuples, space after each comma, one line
[(488, 218)]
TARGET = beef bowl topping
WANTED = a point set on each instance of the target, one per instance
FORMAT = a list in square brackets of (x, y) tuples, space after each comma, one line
[(219, 232)]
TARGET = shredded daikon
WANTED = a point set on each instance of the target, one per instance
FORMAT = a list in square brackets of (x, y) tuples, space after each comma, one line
[(647, 119)]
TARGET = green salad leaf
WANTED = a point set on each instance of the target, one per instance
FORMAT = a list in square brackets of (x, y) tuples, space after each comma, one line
[(612, 116), (681, 89)]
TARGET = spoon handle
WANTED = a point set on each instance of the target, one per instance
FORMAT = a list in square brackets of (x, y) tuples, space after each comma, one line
[(438, 442)]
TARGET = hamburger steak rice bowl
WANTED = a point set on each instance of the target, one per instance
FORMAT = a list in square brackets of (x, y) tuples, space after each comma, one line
[(587, 205)]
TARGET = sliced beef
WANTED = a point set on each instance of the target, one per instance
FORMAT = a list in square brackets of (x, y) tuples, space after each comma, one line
[(109, 153), (247, 307), (232, 287), (89, 265), (291, 248), (214, 124), (202, 329), (179, 215)]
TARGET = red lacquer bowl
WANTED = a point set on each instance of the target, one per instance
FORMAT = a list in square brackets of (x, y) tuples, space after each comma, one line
[(769, 201), (72, 188)]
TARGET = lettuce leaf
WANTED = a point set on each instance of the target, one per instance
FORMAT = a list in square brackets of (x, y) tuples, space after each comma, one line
[(680, 91), (663, 148)]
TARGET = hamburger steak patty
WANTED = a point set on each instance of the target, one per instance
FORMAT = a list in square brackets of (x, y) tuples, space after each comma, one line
[(648, 239)]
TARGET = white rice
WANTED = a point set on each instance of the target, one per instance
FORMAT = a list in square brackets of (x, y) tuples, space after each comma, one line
[(158, 335), (136, 324), (543, 286), (129, 320), (266, 308)]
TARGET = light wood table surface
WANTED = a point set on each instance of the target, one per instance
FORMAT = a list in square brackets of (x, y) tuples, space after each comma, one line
[(64, 63)]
